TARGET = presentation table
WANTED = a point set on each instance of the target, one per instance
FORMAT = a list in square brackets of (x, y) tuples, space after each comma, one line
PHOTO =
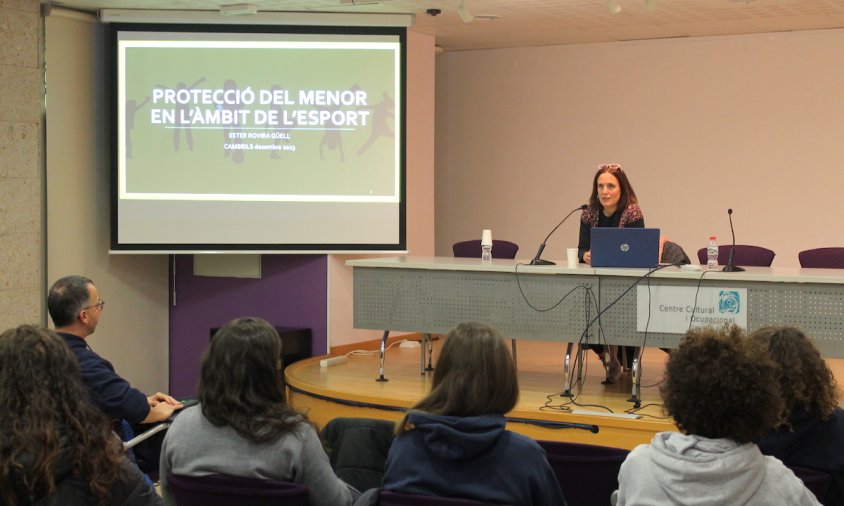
[(431, 295)]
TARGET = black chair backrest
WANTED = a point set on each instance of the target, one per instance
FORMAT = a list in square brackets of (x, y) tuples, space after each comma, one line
[(745, 255), (387, 498), (472, 249), (817, 482), (224, 490), (588, 474), (822, 258)]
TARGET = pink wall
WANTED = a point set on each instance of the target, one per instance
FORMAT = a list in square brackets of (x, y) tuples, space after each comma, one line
[(702, 124)]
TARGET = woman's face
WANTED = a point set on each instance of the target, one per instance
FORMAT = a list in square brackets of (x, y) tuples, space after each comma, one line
[(609, 192)]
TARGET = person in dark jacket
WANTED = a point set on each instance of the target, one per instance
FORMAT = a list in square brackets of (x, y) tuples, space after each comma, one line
[(813, 434), (453, 442), (56, 447), (75, 307)]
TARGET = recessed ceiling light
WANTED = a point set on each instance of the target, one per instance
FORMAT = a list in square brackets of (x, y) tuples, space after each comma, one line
[(464, 13)]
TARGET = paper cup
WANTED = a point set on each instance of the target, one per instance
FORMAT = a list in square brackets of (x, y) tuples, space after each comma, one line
[(571, 257), (486, 237)]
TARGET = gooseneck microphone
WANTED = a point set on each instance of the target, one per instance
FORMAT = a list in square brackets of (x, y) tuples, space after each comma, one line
[(536, 259), (730, 267)]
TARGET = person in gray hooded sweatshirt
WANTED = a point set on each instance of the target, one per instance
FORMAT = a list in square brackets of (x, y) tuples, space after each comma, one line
[(722, 392)]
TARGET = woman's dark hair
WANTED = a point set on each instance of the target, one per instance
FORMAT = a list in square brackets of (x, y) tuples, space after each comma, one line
[(475, 375), (627, 197), (48, 420), (720, 384), (241, 385), (806, 382)]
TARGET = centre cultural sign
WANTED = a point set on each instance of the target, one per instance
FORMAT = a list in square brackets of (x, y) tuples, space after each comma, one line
[(675, 309)]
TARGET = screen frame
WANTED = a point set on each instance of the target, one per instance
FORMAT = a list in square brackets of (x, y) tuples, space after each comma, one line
[(111, 92)]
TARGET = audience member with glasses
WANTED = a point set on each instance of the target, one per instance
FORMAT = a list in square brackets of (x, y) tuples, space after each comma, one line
[(75, 307)]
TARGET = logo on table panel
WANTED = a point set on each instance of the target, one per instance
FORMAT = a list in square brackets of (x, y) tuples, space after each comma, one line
[(729, 302)]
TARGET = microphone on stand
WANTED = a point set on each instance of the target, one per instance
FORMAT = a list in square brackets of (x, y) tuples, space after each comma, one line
[(538, 261), (730, 267)]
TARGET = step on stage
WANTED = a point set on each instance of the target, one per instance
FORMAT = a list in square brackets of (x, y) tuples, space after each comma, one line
[(349, 389)]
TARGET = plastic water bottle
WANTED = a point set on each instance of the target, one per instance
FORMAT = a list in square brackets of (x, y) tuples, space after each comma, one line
[(712, 254)]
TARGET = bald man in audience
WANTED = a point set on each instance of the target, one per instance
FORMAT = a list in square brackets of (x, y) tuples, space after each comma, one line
[(75, 307)]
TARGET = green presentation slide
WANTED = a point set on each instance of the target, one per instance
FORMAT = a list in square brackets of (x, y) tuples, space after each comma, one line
[(302, 121)]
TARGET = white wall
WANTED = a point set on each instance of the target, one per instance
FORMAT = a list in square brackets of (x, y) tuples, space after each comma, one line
[(133, 331), (702, 124)]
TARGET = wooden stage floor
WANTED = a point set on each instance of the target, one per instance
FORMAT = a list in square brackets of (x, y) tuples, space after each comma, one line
[(350, 389)]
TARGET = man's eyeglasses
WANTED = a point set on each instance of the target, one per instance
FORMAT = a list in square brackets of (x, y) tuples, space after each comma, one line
[(99, 305)]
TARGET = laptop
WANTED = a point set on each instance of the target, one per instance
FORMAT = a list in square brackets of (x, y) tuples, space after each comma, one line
[(625, 247)]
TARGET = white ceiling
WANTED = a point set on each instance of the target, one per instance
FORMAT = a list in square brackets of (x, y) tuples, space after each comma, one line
[(549, 22)]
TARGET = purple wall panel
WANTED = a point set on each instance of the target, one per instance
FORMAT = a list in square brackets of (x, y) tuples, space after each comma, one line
[(292, 292)]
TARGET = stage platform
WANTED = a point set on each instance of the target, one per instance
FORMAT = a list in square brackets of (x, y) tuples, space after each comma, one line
[(351, 389)]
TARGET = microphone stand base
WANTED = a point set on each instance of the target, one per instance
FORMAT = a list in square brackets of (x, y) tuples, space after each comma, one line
[(539, 261), (732, 268)]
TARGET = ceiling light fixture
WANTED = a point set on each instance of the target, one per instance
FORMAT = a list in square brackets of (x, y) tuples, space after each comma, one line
[(613, 7), (465, 15), (238, 10), (170, 16)]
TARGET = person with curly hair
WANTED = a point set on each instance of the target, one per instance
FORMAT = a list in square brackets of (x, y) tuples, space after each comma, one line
[(813, 434), (56, 447), (454, 443), (242, 409), (721, 391)]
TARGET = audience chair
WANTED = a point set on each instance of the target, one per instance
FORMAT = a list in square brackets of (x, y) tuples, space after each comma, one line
[(823, 258), (224, 490), (472, 249), (818, 482), (745, 256), (387, 498), (588, 474)]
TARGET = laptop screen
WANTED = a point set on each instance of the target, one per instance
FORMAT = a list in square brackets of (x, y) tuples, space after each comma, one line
[(625, 247)]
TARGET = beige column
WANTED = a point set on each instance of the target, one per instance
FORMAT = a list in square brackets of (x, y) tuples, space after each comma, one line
[(22, 249)]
